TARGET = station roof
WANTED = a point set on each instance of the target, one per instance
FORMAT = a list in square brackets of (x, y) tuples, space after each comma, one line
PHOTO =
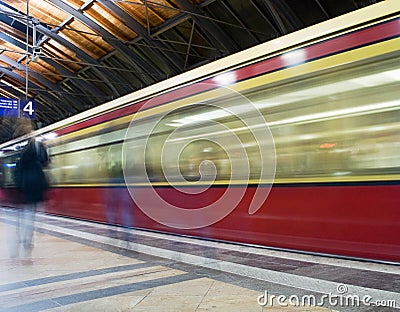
[(82, 53)]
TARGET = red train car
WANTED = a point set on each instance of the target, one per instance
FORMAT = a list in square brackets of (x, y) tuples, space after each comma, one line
[(292, 144)]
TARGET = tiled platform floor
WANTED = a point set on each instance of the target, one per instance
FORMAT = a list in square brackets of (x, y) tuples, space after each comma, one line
[(82, 266)]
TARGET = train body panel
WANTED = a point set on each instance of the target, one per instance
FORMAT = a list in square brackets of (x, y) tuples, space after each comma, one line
[(318, 120), (348, 220)]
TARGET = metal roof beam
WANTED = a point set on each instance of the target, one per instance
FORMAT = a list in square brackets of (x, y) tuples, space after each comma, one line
[(15, 23), (74, 77), (322, 9), (240, 22), (275, 16), (107, 76), (262, 13), (11, 90), (32, 85), (285, 10), (12, 63), (48, 112), (141, 31), (210, 27), (35, 75), (145, 69), (59, 68), (170, 23), (14, 42), (50, 85)]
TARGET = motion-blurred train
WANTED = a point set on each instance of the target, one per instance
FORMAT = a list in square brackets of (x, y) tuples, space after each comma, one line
[(328, 98)]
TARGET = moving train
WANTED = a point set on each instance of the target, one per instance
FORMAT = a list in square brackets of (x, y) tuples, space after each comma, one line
[(293, 144)]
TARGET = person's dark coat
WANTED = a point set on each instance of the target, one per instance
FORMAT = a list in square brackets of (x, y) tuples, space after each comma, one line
[(30, 178)]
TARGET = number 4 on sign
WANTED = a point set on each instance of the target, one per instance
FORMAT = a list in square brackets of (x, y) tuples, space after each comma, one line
[(29, 108)]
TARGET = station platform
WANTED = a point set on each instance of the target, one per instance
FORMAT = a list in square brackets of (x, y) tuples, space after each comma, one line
[(84, 266)]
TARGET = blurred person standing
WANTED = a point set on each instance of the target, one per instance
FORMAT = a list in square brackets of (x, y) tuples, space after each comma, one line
[(118, 203), (31, 183)]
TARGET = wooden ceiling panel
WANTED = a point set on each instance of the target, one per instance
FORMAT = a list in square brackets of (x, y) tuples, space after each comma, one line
[(12, 32), (6, 93), (18, 4), (136, 10), (40, 9), (11, 50), (76, 4), (196, 1), (111, 22), (3, 64), (20, 72), (35, 81), (14, 83), (63, 56), (45, 70), (88, 41), (46, 12), (158, 11)]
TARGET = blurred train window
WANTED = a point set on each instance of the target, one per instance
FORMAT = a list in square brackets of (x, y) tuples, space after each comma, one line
[(8, 170), (344, 122), (94, 165)]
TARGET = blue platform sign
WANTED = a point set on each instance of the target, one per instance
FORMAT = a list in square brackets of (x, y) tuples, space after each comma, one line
[(17, 108), (9, 107)]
